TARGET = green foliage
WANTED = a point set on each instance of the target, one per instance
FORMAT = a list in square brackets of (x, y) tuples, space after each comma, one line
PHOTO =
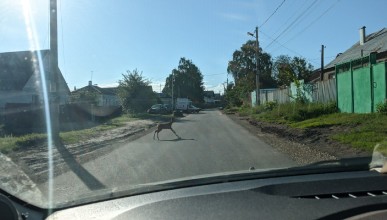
[(235, 94), (287, 69), (294, 112), (231, 110), (135, 92), (188, 82), (363, 131), (269, 106), (11, 143), (243, 67), (381, 107), (307, 111), (85, 96)]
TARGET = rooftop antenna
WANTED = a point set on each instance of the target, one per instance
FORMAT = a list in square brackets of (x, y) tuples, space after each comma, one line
[(91, 76)]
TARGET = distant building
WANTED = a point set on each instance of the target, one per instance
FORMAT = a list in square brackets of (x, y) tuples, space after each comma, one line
[(105, 97), (209, 96), (21, 79), (95, 100), (165, 98)]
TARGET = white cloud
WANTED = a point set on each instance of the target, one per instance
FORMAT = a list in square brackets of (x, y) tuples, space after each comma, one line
[(108, 85), (156, 86), (217, 89)]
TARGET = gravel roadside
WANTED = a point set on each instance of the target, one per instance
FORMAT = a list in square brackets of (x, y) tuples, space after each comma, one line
[(300, 152)]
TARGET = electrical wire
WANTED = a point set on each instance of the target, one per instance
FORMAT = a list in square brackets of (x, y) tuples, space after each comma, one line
[(314, 21), (293, 51), (216, 74), (289, 26), (279, 6), (293, 15)]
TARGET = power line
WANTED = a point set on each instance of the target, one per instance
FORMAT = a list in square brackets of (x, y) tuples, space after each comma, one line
[(274, 40), (293, 14), (279, 6), (215, 74), (314, 21), (287, 28)]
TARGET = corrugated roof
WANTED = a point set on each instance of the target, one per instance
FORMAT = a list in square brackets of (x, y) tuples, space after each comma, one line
[(375, 42)]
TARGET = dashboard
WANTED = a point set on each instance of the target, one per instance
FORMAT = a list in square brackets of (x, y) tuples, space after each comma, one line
[(340, 195)]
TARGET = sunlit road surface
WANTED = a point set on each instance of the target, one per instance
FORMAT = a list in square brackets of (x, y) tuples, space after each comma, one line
[(210, 143)]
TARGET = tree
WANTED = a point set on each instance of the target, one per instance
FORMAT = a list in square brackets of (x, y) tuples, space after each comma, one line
[(135, 93), (243, 67), (287, 69), (84, 96), (188, 81)]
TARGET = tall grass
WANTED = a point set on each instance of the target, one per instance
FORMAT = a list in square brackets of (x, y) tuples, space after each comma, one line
[(292, 112)]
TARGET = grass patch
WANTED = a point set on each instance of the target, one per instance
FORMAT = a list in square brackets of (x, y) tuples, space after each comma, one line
[(11, 143), (364, 131)]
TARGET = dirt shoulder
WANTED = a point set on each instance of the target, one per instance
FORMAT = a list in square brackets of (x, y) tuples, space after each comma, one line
[(34, 159), (303, 145)]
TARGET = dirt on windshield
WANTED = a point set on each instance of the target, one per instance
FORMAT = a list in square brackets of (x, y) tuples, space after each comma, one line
[(302, 145)]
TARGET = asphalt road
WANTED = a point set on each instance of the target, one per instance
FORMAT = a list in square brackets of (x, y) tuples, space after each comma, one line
[(210, 143)]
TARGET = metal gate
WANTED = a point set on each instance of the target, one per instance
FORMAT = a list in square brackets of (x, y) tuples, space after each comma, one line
[(361, 85)]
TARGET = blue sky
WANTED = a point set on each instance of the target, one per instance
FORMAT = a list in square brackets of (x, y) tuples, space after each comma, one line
[(104, 38)]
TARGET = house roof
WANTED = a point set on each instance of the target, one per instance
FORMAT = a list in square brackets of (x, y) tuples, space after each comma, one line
[(375, 42), (16, 68), (163, 95), (104, 91), (209, 93)]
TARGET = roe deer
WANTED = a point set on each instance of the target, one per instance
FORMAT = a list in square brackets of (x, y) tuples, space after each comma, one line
[(162, 126)]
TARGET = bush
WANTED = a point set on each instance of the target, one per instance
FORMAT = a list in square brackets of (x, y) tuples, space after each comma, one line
[(381, 108), (307, 111), (269, 106)]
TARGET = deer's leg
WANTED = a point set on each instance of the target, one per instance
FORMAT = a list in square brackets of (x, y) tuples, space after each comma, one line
[(175, 133), (154, 135)]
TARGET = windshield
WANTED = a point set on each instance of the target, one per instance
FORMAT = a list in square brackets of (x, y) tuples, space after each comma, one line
[(98, 97)]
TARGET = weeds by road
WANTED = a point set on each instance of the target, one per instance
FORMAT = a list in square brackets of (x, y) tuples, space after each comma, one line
[(360, 131), (11, 143)]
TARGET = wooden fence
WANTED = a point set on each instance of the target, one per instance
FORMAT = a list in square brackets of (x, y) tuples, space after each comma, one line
[(322, 91)]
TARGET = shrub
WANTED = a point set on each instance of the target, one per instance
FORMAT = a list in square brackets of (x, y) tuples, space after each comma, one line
[(381, 108), (314, 110), (269, 106)]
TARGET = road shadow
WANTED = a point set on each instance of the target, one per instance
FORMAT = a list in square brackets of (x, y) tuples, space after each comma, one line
[(183, 121), (179, 139), (87, 178)]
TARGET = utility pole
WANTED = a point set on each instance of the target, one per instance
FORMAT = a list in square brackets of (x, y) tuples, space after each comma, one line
[(258, 98), (173, 101), (322, 63), (257, 92), (226, 84), (53, 77)]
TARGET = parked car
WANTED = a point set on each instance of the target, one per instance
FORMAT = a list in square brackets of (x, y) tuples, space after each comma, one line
[(159, 109), (193, 109)]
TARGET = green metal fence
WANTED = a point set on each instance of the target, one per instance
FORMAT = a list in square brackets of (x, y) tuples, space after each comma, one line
[(361, 84), (379, 83)]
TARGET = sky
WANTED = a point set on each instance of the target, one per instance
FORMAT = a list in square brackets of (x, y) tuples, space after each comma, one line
[(101, 40)]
